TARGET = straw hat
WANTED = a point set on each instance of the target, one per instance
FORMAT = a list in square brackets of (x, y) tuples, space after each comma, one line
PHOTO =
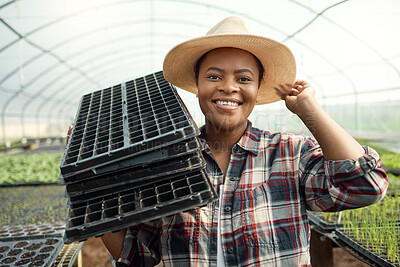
[(278, 61)]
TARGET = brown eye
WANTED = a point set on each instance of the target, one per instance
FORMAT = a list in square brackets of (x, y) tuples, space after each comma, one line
[(244, 79)]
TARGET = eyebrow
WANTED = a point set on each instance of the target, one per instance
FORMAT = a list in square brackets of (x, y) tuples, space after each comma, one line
[(216, 69), (236, 71), (244, 70)]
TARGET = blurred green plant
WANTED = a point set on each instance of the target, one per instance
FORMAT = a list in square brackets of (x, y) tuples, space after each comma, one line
[(30, 168), (380, 149), (391, 160)]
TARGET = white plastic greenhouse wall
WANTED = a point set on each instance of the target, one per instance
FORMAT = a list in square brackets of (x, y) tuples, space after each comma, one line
[(52, 52)]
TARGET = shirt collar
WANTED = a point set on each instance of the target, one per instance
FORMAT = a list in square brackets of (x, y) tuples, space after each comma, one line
[(250, 140)]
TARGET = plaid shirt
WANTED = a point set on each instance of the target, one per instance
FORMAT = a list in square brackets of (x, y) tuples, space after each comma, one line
[(271, 181)]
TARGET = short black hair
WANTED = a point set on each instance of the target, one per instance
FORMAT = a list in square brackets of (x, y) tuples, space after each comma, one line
[(200, 60)]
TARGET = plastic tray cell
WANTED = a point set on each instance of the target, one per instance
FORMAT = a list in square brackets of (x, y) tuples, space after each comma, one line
[(137, 204), (124, 121), (38, 252)]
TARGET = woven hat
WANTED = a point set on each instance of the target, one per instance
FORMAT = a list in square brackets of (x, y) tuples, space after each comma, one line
[(278, 61)]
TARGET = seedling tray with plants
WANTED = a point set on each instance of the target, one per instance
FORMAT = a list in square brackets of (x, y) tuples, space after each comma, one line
[(378, 244), (138, 204), (139, 175), (31, 231), (374, 230), (33, 205), (394, 184), (124, 121), (386, 210), (33, 252)]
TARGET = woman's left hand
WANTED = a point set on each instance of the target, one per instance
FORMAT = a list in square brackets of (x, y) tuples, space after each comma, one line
[(297, 95)]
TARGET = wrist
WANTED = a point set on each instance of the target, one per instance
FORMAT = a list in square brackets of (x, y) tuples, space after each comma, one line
[(307, 107)]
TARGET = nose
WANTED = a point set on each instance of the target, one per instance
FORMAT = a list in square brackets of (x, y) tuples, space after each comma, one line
[(228, 86)]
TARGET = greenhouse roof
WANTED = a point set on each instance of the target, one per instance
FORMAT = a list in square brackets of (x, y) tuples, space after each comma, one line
[(53, 52)]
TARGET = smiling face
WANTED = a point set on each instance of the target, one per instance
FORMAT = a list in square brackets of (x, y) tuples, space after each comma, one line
[(228, 82)]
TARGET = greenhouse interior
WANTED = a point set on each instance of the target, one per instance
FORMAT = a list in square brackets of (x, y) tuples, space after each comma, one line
[(78, 63)]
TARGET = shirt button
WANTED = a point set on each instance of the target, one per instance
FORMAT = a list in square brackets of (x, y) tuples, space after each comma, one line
[(228, 208), (230, 250)]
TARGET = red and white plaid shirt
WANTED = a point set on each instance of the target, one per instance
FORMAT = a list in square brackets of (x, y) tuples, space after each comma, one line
[(271, 181)]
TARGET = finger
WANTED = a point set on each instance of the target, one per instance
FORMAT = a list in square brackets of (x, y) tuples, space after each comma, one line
[(304, 84), (300, 88), (70, 128), (300, 82), (294, 92), (69, 131)]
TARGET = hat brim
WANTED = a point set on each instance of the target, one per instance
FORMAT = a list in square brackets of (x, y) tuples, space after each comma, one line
[(278, 61)]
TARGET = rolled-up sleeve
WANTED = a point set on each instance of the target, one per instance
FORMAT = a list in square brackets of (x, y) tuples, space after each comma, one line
[(335, 185)]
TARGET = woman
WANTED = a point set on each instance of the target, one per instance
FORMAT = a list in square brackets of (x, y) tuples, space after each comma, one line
[(265, 181)]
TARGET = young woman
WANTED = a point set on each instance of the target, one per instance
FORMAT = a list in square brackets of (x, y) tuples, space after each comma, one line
[(265, 181)]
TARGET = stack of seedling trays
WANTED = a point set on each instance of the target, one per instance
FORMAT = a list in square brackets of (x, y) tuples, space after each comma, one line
[(30, 245), (133, 156)]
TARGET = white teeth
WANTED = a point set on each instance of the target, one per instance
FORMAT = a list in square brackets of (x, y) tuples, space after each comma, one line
[(227, 103)]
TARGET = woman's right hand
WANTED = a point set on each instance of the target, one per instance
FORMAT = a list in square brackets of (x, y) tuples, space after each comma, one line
[(69, 131)]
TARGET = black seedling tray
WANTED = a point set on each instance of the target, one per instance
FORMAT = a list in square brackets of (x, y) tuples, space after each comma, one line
[(362, 250), (136, 176), (176, 150), (95, 195), (38, 252), (124, 121), (92, 195), (137, 205), (32, 231), (321, 223)]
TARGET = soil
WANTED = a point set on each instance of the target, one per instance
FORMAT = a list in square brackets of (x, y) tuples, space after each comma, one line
[(342, 258), (51, 241), (20, 244), (94, 254)]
